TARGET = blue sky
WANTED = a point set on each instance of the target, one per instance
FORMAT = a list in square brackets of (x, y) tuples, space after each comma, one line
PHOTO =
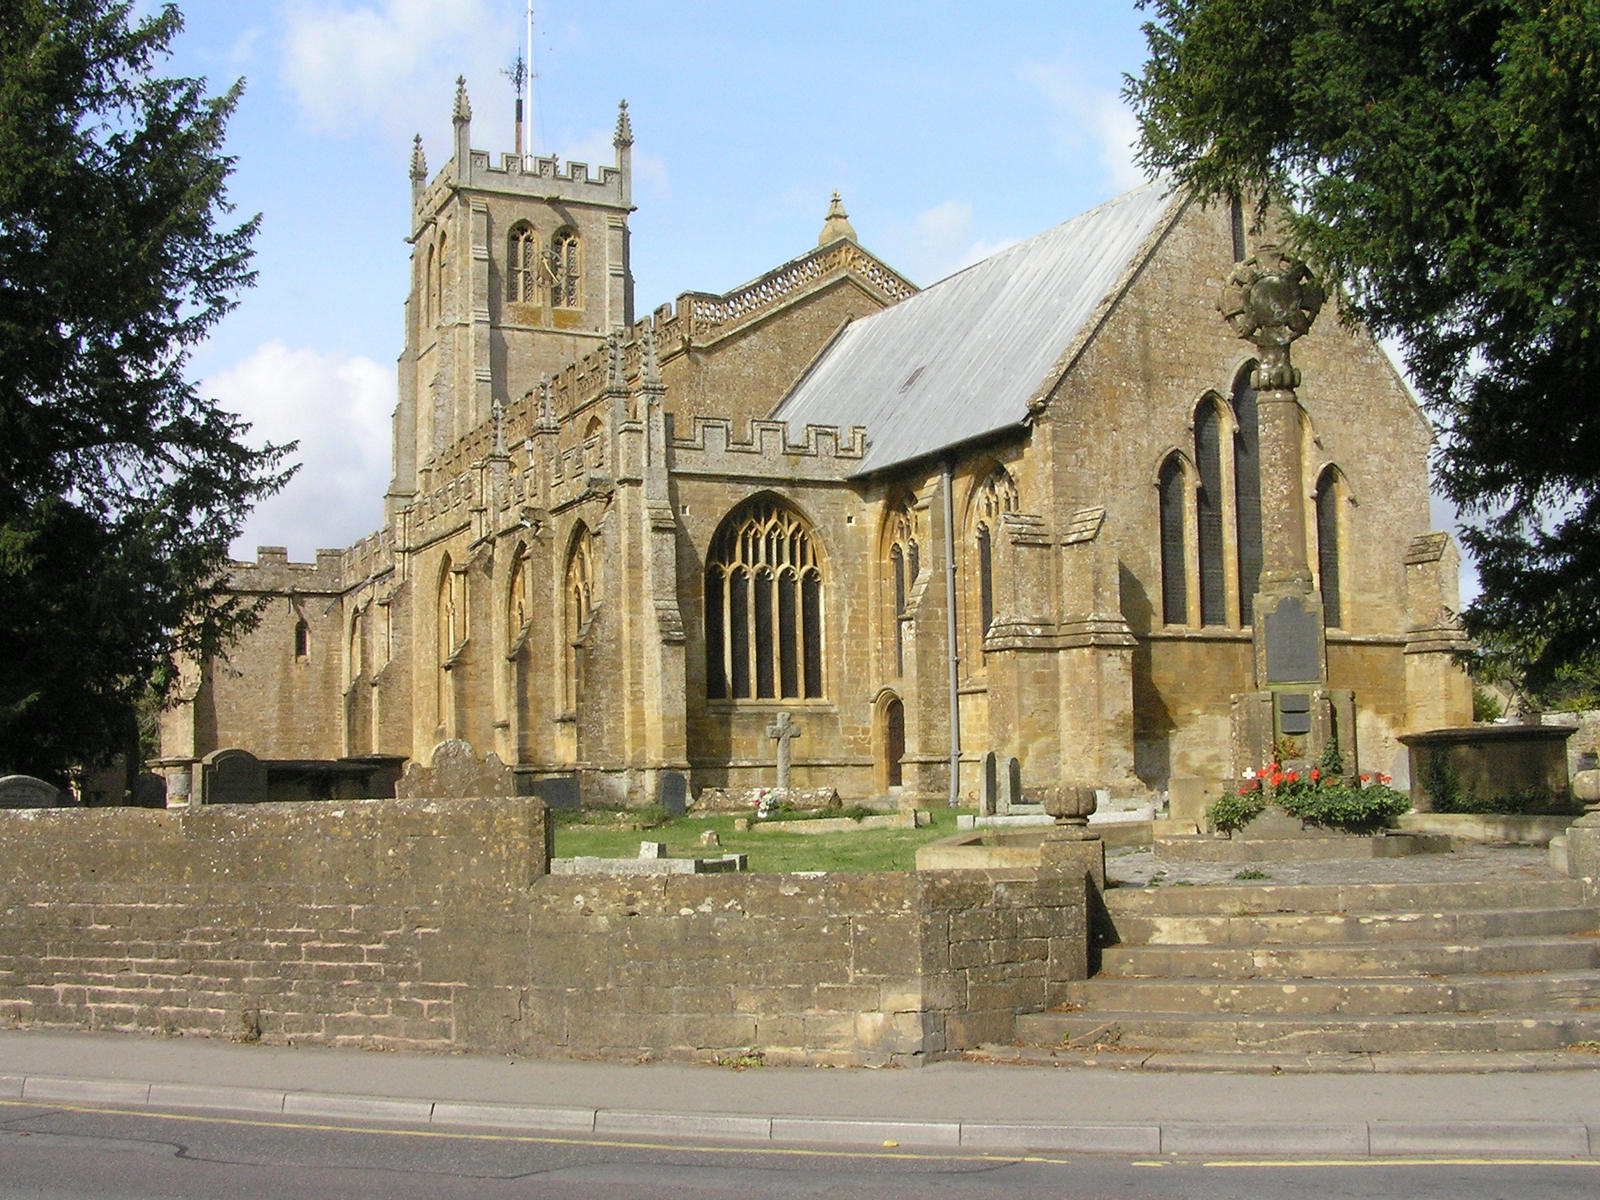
[(951, 129)]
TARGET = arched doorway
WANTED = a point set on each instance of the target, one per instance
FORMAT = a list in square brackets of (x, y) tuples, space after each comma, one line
[(893, 741)]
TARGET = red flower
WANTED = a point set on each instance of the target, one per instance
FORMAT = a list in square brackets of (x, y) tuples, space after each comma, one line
[(1366, 779), (1316, 774), (1292, 777)]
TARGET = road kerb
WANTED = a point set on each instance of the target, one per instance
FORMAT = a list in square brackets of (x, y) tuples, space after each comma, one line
[(88, 1091), (835, 1130), (1529, 1138), (513, 1116), (1266, 1137), (619, 1122), (361, 1108)]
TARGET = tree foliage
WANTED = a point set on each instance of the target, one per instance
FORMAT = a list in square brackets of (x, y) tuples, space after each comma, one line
[(1439, 158), (120, 485)]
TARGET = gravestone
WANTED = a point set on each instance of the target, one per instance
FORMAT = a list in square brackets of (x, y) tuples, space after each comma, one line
[(988, 798), (783, 731), (149, 791), (558, 791), (457, 773), (232, 777), (24, 791), (1010, 787), (672, 792)]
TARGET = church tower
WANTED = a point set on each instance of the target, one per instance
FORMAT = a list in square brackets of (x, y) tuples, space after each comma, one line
[(516, 269)]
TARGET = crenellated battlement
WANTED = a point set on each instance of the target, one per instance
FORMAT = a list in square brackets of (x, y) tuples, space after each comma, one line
[(273, 572), (711, 447)]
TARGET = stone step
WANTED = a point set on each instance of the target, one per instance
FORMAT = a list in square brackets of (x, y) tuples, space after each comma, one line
[(1318, 928), (1433, 1032), (1339, 960), (1370, 997), (1233, 899)]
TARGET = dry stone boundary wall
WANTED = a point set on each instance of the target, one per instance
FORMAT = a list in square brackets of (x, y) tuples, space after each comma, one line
[(430, 924)]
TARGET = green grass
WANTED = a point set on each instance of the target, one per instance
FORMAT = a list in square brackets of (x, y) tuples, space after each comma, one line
[(600, 833)]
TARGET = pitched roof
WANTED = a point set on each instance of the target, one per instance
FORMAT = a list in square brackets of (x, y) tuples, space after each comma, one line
[(962, 358)]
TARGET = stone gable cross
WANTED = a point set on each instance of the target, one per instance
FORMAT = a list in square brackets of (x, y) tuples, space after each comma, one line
[(781, 732)]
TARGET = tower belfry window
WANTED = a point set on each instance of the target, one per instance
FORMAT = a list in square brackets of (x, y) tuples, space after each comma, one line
[(565, 270), (522, 256)]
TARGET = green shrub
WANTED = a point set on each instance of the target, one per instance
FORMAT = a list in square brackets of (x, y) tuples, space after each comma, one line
[(1345, 806), (1486, 706), (1512, 804), (1232, 813)]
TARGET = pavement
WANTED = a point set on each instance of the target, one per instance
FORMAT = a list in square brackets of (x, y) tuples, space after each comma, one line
[(966, 1106)]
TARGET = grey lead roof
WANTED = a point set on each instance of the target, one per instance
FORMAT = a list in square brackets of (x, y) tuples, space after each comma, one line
[(962, 358)]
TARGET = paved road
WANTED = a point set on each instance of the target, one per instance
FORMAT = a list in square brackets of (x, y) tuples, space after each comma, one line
[(66, 1153)]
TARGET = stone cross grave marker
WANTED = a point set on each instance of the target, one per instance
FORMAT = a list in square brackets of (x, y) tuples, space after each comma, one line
[(782, 732)]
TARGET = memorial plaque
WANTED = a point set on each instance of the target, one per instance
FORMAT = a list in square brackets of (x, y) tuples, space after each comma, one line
[(1293, 643), (1294, 713)]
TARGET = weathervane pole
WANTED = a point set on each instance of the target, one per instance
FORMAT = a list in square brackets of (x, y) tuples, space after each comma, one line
[(526, 149)]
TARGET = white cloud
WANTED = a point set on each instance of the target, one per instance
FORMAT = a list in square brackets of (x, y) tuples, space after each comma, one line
[(938, 242), (338, 407), (392, 63), (1089, 120)]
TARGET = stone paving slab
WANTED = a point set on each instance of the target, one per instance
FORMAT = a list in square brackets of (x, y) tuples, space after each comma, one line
[(1133, 866)]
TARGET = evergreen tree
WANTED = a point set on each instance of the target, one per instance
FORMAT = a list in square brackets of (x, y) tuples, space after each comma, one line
[(120, 485), (1439, 158)]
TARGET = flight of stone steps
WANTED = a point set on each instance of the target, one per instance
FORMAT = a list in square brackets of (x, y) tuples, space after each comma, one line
[(1378, 968)]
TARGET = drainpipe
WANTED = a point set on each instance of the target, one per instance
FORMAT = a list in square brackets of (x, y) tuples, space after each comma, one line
[(950, 632)]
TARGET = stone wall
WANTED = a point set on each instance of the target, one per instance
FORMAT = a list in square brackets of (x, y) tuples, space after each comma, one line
[(432, 925)]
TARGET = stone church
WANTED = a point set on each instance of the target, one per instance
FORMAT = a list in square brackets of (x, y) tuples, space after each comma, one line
[(1024, 510)]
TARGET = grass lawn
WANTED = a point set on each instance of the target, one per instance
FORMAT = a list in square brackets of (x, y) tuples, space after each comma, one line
[(608, 835)]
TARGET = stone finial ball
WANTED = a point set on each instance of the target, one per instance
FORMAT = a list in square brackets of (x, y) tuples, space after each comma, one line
[(1069, 804), (1271, 299)]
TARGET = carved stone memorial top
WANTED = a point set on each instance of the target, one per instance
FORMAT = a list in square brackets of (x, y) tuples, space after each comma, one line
[(1270, 300), (456, 773)]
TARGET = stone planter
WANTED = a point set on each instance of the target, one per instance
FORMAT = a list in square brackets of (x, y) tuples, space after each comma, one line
[(1069, 804)]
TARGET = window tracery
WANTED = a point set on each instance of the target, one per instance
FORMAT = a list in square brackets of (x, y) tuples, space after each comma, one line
[(522, 264), (763, 607), (565, 269)]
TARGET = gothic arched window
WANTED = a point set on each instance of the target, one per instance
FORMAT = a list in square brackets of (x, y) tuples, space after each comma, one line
[(1209, 426), (992, 498), (1247, 489), (1330, 491), (441, 282), (901, 567), (763, 613), (522, 264), (517, 599), (1173, 487), (355, 663), (578, 597), (565, 270)]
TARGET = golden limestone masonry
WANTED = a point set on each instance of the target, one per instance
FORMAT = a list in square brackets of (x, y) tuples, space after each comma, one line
[(1020, 511)]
